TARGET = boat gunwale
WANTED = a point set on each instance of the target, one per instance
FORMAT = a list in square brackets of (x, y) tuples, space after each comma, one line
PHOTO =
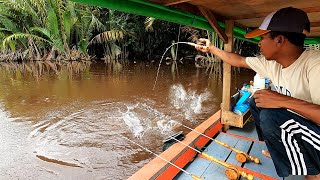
[(178, 153)]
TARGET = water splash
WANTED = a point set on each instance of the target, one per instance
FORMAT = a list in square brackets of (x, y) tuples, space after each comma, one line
[(165, 127), (189, 43), (190, 103), (133, 121), (141, 118), (3, 114)]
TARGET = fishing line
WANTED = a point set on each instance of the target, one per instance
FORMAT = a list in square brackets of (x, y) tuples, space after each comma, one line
[(193, 176), (189, 43)]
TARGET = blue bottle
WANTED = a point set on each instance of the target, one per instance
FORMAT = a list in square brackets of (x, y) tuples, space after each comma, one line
[(242, 105), (244, 97)]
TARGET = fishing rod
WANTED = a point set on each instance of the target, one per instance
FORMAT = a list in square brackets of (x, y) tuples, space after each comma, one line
[(195, 177), (189, 43), (232, 172), (196, 45), (241, 156)]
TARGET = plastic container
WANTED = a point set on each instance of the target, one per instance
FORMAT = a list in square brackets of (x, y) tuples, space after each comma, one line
[(241, 109), (243, 89), (244, 97), (258, 82), (242, 105)]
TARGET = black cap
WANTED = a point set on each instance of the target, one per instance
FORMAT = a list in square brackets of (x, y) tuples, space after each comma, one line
[(287, 19)]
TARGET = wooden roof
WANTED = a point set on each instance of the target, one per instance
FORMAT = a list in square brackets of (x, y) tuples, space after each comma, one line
[(247, 13)]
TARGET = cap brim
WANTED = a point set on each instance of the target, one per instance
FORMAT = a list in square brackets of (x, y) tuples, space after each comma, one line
[(255, 33)]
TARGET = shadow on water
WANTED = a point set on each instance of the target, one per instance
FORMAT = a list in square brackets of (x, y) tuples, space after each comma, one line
[(63, 117)]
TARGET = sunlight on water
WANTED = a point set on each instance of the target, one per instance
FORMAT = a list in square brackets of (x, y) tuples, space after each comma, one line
[(189, 102)]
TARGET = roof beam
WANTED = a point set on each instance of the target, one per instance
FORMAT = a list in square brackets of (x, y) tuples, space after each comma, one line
[(315, 24), (174, 2), (264, 14), (213, 23)]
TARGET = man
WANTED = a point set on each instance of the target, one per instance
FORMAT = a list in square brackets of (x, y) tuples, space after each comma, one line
[(287, 120)]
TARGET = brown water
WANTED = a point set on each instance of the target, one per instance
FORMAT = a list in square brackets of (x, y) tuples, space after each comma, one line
[(67, 126)]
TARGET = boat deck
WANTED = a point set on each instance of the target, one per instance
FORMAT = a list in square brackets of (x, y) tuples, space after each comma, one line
[(210, 170)]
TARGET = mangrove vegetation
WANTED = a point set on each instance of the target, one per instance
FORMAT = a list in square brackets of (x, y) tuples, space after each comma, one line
[(49, 32)]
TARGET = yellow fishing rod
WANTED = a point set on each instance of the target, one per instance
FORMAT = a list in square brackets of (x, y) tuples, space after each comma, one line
[(189, 43), (195, 177), (232, 172), (241, 156), (197, 45)]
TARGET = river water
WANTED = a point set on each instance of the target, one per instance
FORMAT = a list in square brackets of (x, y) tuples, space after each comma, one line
[(68, 126)]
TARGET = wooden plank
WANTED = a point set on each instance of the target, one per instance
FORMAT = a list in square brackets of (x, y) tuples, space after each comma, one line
[(234, 8), (294, 178), (208, 169), (197, 167), (227, 68), (266, 167), (264, 14), (249, 131), (213, 23), (232, 119), (243, 146), (214, 170), (315, 24), (227, 72)]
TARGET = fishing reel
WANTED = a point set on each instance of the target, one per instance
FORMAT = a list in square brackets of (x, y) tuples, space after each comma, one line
[(234, 174), (242, 158)]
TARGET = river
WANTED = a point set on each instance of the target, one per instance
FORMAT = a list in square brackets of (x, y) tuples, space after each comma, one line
[(69, 126)]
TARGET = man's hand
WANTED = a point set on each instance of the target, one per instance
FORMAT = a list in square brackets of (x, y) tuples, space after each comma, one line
[(269, 99), (202, 43)]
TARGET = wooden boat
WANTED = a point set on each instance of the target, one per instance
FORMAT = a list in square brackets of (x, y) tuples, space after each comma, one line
[(243, 139), (229, 19)]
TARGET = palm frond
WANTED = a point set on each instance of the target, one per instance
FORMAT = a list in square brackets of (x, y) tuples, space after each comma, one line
[(8, 23), (107, 36), (20, 6), (12, 38), (53, 23), (67, 21), (149, 23), (43, 31), (95, 24)]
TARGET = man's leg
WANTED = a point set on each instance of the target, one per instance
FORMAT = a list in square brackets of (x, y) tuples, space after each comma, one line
[(255, 111), (293, 142)]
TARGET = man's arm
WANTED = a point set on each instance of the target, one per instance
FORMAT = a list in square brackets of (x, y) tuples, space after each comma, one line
[(306, 109), (228, 57), (272, 99)]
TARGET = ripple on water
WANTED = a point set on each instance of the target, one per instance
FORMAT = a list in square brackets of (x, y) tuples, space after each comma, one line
[(88, 138), (84, 137)]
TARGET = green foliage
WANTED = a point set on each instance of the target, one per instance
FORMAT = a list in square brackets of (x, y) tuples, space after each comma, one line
[(17, 36), (55, 29)]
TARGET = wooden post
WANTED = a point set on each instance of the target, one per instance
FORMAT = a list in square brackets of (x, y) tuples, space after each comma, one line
[(225, 106)]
